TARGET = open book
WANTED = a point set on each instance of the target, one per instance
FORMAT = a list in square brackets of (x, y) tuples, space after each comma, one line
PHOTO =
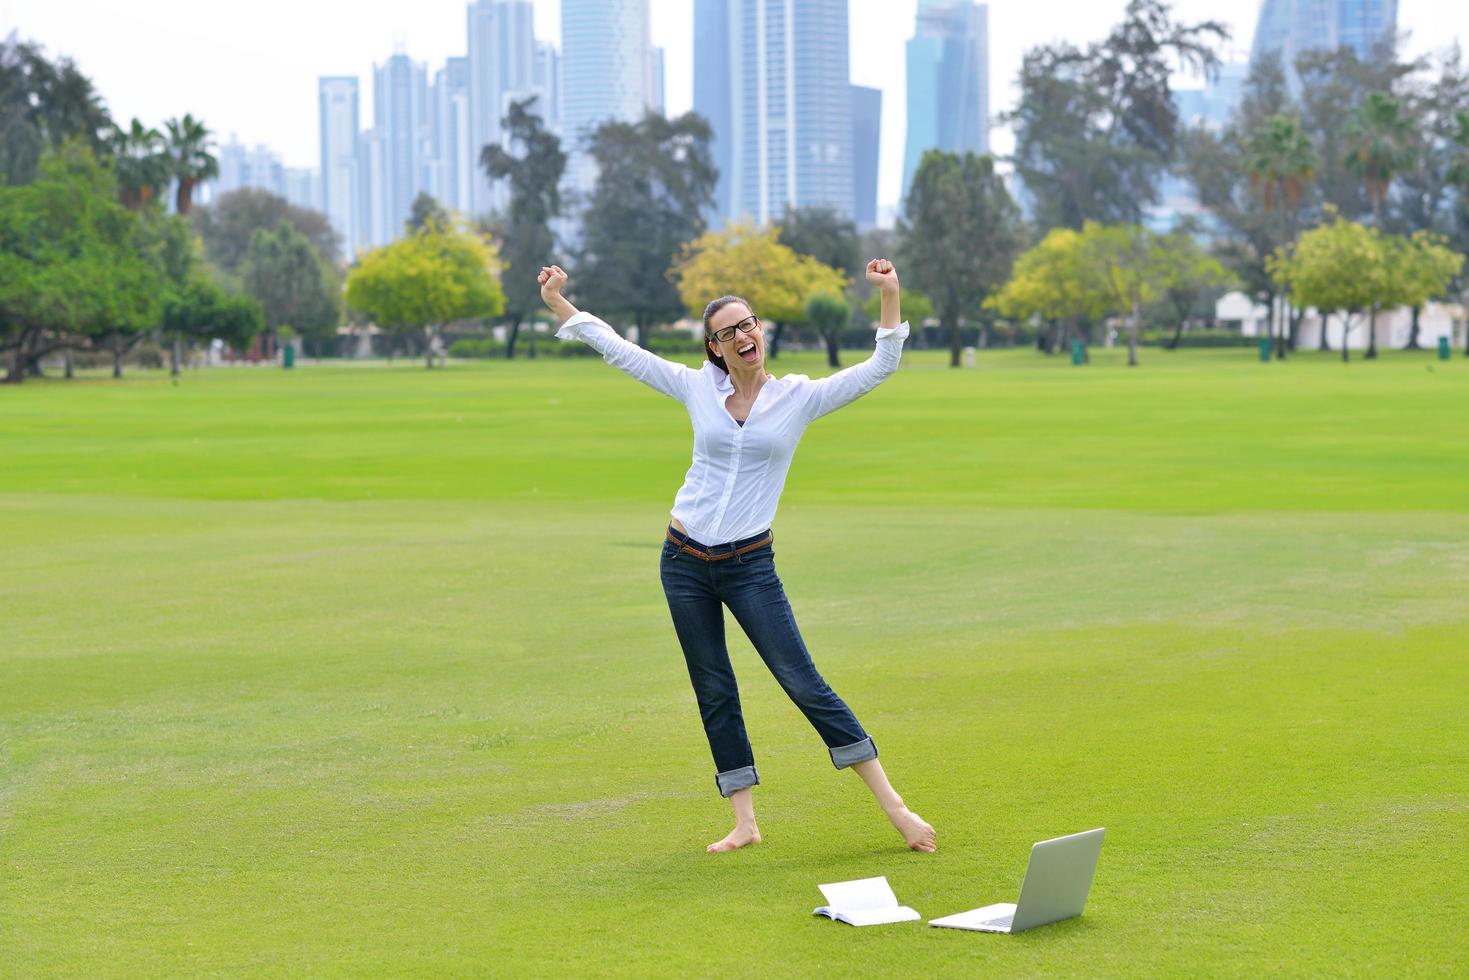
[(864, 902)]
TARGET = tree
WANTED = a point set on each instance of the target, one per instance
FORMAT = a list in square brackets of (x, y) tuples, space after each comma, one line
[(1054, 281), (535, 200), (1336, 266), (655, 182), (1191, 278), (1378, 147), (294, 288), (960, 237), (829, 314), (1421, 268), (1280, 164), (752, 264), (425, 280), (142, 165), (201, 309), (1095, 128), (43, 105), (1135, 270), (189, 141), (70, 267), (226, 226), (825, 235), (425, 211)]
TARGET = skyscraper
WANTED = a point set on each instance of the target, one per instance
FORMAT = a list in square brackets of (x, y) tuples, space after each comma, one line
[(772, 76), (339, 182), (866, 144), (606, 73), (502, 65), (547, 82), (948, 81), (1292, 27), (453, 166), (401, 123)]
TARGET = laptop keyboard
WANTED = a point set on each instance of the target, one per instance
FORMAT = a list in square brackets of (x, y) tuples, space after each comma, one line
[(1003, 922)]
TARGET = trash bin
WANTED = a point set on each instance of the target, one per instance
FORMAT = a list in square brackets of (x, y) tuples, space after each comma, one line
[(1078, 352), (1265, 350), (288, 356), (1443, 348)]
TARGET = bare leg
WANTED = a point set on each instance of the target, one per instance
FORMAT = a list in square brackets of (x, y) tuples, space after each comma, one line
[(745, 831), (915, 829)]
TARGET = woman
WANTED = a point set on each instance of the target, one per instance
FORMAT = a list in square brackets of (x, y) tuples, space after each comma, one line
[(717, 550)]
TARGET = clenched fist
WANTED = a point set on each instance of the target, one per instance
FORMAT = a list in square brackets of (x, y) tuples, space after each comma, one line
[(552, 279), (880, 273)]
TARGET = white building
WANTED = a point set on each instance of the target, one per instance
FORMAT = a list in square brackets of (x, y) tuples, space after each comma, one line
[(1393, 327)]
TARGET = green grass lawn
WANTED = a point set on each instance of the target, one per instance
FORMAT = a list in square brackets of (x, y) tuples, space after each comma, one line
[(368, 671)]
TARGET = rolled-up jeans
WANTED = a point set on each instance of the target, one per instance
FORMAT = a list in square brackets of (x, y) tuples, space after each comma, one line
[(697, 590)]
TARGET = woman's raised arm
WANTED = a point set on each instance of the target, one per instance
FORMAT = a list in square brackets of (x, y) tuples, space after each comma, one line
[(848, 385), (668, 377)]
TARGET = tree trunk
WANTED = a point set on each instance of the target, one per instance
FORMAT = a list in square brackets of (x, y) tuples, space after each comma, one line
[(775, 339), (15, 370), (1279, 345), (1132, 324), (1296, 313), (1413, 331), (531, 340), (117, 355), (66, 362), (1058, 332), (184, 202), (832, 359), (1372, 334), (177, 353), (429, 332), (642, 333), (1042, 336), (1177, 335), (510, 337), (953, 324), (1321, 343), (1346, 333)]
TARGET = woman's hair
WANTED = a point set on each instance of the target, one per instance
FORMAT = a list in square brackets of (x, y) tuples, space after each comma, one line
[(709, 312)]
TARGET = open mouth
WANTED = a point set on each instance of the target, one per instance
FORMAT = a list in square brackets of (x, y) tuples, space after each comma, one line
[(748, 353)]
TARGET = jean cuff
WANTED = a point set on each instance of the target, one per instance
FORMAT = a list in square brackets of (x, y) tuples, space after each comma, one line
[(845, 755), (735, 780)]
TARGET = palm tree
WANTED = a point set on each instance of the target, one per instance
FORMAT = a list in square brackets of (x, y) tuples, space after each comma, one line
[(1378, 142), (188, 148), (143, 164), (1281, 162), (1459, 173), (1379, 147)]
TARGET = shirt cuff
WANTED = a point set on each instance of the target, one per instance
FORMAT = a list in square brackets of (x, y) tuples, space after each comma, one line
[(570, 330), (900, 331)]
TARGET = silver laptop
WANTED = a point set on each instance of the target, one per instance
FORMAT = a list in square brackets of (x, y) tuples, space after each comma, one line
[(1055, 887)]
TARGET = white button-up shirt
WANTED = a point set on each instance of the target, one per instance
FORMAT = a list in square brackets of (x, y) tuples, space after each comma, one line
[(733, 486)]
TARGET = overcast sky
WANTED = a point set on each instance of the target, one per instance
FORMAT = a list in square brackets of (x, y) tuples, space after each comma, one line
[(251, 68)]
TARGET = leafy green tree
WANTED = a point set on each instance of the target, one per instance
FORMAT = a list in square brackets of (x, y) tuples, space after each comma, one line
[(1192, 279), (69, 265), (189, 142), (294, 288), (425, 280), (142, 165), (1337, 266), (43, 104), (1421, 268), (753, 264), (227, 225), (1378, 147), (960, 237), (1095, 128), (829, 314), (1135, 270), (201, 309), (1054, 281), (655, 182), (535, 201)]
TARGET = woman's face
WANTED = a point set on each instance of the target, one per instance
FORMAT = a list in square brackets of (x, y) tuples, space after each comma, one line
[(747, 345)]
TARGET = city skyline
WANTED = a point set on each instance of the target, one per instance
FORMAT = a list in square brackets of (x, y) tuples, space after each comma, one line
[(205, 58)]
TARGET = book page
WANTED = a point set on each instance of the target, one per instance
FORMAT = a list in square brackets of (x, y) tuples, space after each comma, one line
[(864, 893), (877, 917)]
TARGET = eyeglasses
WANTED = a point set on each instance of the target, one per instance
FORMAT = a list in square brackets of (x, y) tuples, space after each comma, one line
[(749, 324)]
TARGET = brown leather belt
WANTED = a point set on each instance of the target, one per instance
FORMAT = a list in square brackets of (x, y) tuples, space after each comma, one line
[(707, 556)]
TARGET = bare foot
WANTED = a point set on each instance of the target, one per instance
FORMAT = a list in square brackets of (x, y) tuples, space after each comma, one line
[(736, 839), (915, 830)]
